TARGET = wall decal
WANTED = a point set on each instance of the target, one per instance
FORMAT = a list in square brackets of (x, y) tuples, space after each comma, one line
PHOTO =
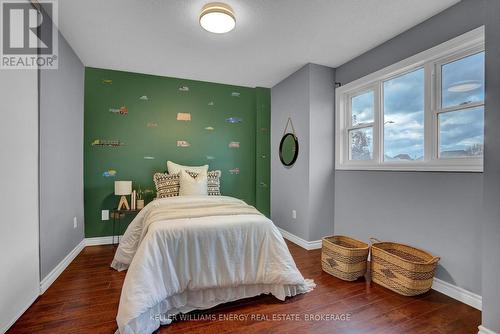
[(209, 128), (234, 120), (149, 158), (263, 185), (184, 88), (107, 81), (151, 130), (144, 98), (235, 94), (183, 116), (234, 171), (109, 173), (121, 111), (263, 129), (263, 156), (104, 142), (234, 144), (183, 143)]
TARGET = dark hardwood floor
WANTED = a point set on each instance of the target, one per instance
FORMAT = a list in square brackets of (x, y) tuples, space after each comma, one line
[(84, 299)]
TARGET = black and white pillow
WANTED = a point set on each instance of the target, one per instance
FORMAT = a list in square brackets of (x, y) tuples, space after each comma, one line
[(213, 181), (167, 185)]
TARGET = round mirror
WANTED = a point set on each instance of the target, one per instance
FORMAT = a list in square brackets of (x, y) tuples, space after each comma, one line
[(289, 149)]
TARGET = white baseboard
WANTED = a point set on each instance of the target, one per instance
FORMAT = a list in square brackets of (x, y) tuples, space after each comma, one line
[(98, 241), (458, 293), (445, 288), (19, 314), (308, 245), (484, 330), (54, 274), (101, 240)]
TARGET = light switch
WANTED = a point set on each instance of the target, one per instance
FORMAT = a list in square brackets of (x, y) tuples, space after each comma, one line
[(294, 214), (105, 215), (75, 222)]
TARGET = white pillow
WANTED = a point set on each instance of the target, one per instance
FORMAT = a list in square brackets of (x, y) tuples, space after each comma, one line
[(193, 186), (174, 168)]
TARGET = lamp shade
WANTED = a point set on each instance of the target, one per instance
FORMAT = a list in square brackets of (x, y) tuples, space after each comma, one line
[(123, 188)]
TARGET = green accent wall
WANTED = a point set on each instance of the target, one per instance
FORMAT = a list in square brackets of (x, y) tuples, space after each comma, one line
[(263, 150), (146, 133)]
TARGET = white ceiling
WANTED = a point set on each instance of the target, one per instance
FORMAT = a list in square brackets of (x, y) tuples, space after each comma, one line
[(272, 38)]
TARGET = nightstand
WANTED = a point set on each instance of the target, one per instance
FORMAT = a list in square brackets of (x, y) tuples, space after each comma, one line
[(117, 216)]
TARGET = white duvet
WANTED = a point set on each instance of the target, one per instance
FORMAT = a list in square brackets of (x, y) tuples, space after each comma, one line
[(187, 253)]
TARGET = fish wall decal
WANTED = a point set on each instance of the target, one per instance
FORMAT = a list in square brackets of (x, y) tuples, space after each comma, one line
[(210, 157), (152, 125), (234, 171), (121, 111), (149, 158), (234, 120), (209, 128), (109, 173), (183, 143), (103, 142), (234, 144), (184, 116), (144, 98), (107, 81), (235, 94), (184, 88)]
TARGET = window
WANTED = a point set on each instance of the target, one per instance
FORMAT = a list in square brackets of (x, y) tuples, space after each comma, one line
[(423, 113), (361, 129), (461, 111), (404, 117)]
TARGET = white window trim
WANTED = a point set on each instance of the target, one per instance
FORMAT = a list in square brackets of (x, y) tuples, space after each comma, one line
[(468, 43)]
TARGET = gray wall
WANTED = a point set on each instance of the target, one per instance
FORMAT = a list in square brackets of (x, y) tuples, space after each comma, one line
[(19, 278), (454, 215), (61, 158), (435, 211), (321, 150), (290, 186), (307, 97)]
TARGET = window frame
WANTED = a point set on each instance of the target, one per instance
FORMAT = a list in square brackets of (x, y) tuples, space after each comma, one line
[(431, 61), (351, 127), (438, 108)]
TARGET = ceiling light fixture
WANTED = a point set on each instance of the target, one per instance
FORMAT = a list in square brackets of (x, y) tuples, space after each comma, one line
[(464, 86), (217, 17)]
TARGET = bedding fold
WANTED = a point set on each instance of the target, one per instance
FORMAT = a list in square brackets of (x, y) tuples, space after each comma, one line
[(188, 253)]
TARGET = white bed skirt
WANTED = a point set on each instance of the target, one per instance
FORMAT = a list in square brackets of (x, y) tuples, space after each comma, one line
[(189, 301)]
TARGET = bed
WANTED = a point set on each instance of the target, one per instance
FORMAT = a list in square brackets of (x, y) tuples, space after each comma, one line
[(189, 253)]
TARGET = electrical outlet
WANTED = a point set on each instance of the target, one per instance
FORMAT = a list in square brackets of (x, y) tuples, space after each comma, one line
[(294, 214), (105, 215), (75, 222)]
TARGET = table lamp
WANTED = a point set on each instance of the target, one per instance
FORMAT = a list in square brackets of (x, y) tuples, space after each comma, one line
[(123, 188)]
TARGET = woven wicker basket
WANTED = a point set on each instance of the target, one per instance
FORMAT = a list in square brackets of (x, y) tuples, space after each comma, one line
[(344, 257), (406, 270)]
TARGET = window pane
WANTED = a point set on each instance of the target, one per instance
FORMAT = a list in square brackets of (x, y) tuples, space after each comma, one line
[(361, 144), (461, 133), (463, 81), (362, 108), (404, 117)]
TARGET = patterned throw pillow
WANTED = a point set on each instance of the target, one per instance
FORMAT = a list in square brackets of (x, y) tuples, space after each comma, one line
[(213, 181), (167, 185)]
